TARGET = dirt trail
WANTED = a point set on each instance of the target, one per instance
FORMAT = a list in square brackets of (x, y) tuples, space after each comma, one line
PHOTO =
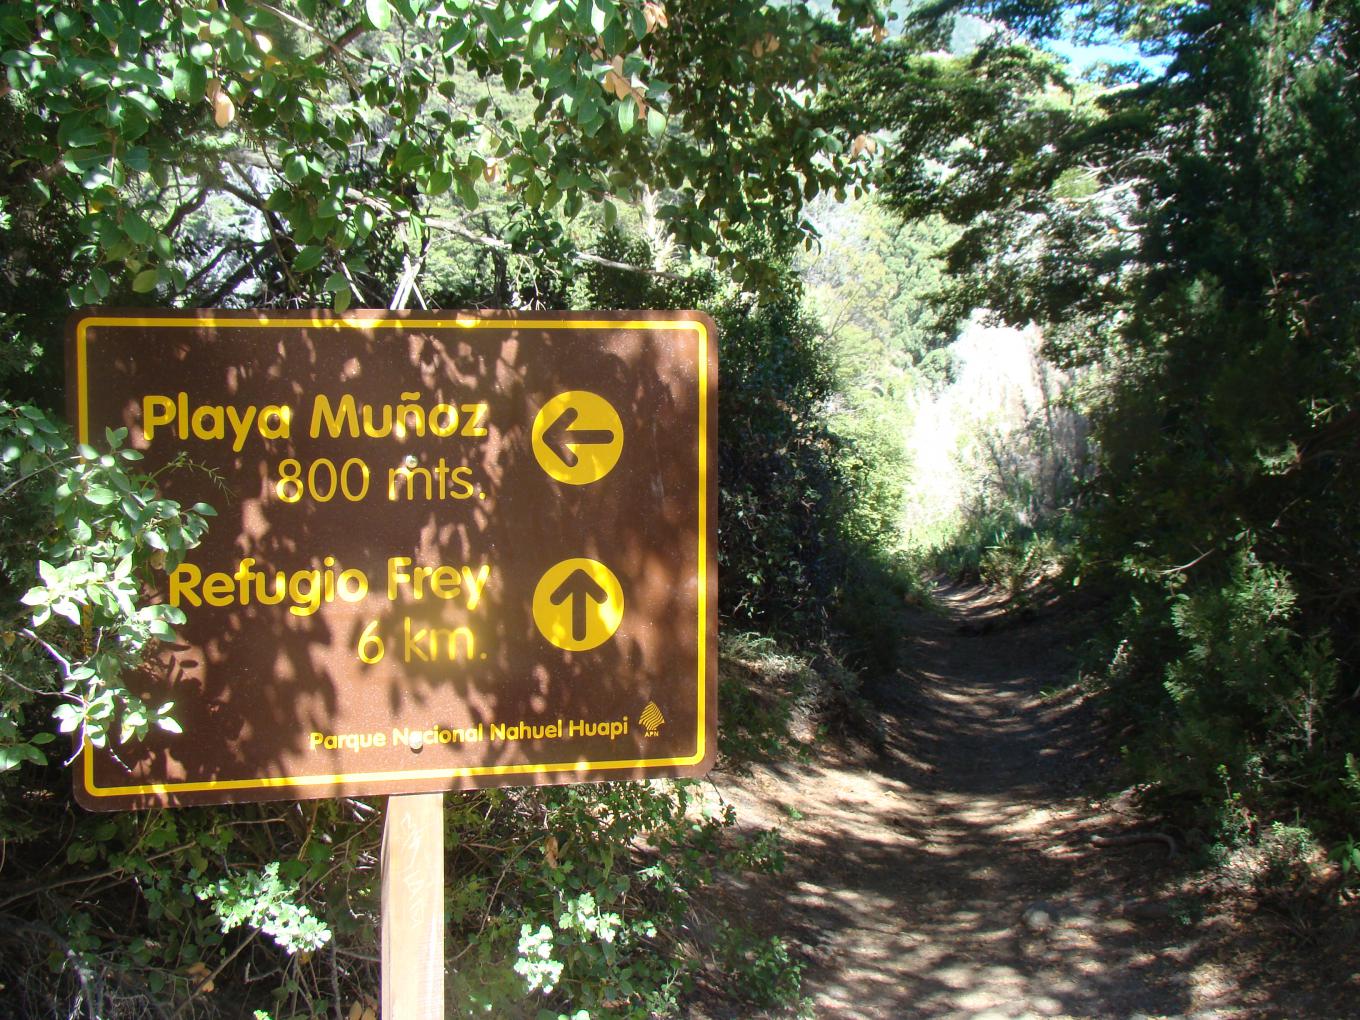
[(953, 874)]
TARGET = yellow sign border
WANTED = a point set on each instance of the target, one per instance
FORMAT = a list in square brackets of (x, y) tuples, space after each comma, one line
[(700, 329)]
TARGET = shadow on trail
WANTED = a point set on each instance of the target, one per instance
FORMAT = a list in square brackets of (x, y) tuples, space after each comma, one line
[(953, 875)]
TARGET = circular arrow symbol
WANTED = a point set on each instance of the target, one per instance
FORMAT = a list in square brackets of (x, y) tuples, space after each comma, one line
[(577, 437), (579, 589), (578, 604), (563, 437)]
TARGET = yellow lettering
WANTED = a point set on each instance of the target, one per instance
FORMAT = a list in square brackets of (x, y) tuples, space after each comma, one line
[(213, 421), (156, 411), (342, 418), (240, 426), (219, 589), (461, 477), (378, 431), (304, 588), (443, 420), (396, 575), (183, 580), (276, 422), (408, 475), (406, 412), (474, 583), (476, 415), (242, 578), (444, 583), (411, 642), (208, 423), (451, 639), (352, 585)]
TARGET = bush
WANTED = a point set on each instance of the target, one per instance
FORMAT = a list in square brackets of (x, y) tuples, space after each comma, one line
[(1240, 712), (98, 531)]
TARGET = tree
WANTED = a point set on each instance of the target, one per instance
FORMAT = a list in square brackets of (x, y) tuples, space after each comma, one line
[(1192, 238), (293, 153), (329, 126)]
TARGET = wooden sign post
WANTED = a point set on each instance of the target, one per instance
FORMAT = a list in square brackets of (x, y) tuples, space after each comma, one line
[(413, 907)]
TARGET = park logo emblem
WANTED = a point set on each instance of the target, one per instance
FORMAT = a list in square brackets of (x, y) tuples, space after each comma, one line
[(651, 719)]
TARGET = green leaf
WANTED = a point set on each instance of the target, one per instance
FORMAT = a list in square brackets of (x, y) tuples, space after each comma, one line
[(294, 169), (438, 182), (101, 495), (585, 11), (84, 137), (468, 193), (542, 10), (148, 17), (68, 24), (309, 258), (236, 47), (656, 122), (600, 16), (626, 111), (106, 19), (161, 629), (379, 13), (147, 104), (611, 214), (137, 228), (145, 281)]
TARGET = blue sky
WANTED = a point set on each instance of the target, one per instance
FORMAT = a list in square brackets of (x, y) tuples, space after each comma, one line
[(1082, 57), (969, 30)]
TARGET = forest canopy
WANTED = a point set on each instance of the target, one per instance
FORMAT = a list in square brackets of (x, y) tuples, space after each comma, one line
[(333, 127), (1182, 230), (1187, 241), (539, 154)]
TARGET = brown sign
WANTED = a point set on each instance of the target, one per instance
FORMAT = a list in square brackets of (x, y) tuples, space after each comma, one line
[(452, 550)]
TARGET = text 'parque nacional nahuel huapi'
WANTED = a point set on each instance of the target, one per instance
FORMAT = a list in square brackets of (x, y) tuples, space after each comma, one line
[(452, 550)]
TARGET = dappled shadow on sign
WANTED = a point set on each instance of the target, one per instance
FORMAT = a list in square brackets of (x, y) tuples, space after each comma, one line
[(459, 675)]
